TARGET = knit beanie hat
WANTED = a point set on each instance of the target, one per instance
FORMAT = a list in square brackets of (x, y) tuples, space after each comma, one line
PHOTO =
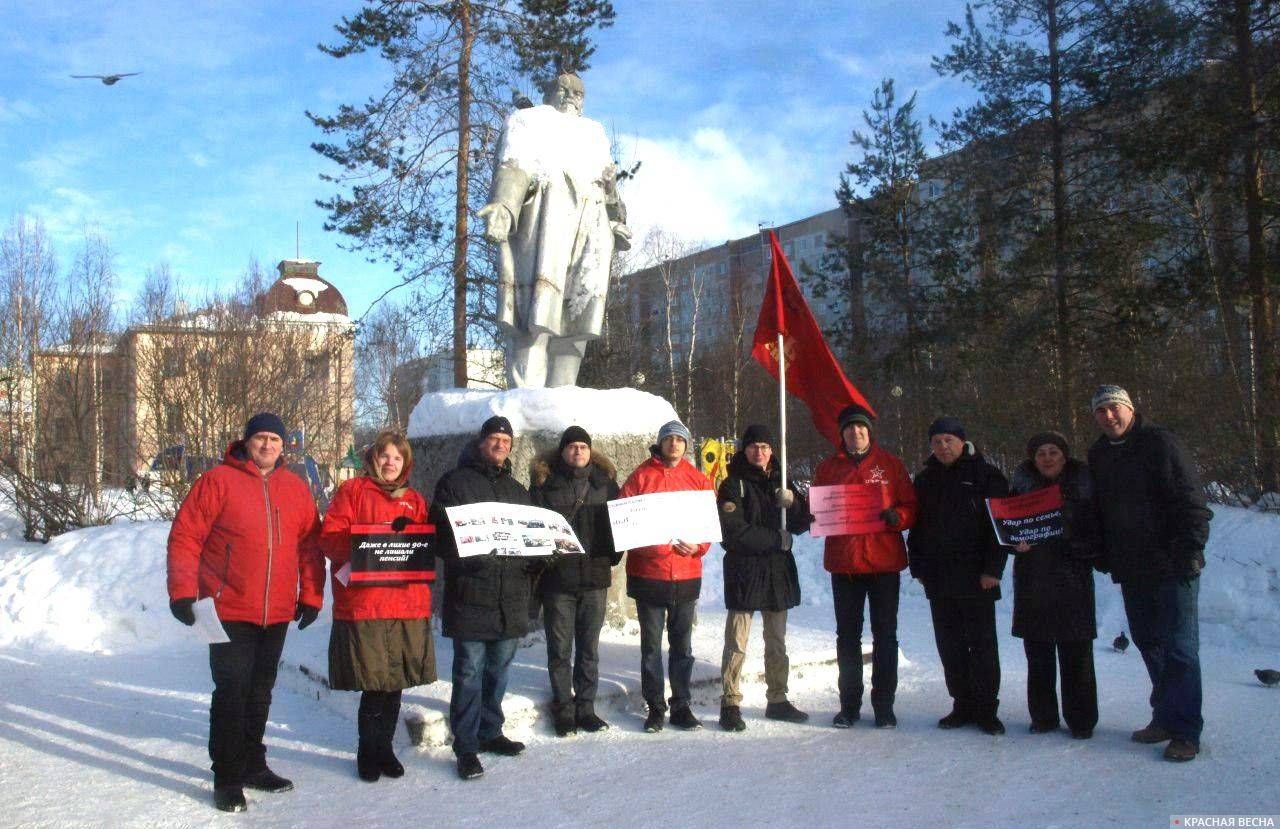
[(1108, 394), (853, 413), (496, 425), (264, 422), (756, 433), (675, 427), (1041, 438), (947, 426), (574, 434)]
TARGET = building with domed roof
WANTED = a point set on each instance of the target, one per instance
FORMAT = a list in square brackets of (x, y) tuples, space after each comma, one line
[(161, 402)]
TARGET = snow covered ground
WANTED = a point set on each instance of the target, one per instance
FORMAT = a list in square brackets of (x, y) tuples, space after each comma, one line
[(104, 701)]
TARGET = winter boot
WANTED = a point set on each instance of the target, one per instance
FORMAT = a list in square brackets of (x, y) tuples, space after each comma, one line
[(588, 721), (566, 725), (656, 719), (731, 718), (846, 718), (388, 763), (501, 745), (1151, 734), (785, 711), (369, 723), (229, 799), (990, 724), (885, 717), (266, 780), (683, 718), (469, 767), (1180, 750), (958, 717)]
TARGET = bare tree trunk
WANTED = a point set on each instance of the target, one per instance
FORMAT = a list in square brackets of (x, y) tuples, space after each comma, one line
[(460, 202), (1061, 255)]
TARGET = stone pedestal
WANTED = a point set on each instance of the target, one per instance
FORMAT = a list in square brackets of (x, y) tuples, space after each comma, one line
[(623, 424)]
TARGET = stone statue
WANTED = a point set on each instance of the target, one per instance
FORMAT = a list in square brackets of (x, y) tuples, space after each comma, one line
[(555, 215)]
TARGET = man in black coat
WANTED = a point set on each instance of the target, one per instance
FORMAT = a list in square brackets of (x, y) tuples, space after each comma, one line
[(953, 551), (576, 482), (759, 573), (1155, 525), (486, 599)]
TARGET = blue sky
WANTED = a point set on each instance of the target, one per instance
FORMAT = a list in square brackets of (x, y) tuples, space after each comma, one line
[(739, 111)]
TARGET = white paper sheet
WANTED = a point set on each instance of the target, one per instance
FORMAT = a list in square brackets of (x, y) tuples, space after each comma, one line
[(664, 517), (510, 530), (208, 627), (344, 574)]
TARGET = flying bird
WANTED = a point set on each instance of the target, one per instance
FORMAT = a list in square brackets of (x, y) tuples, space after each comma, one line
[(109, 80), (1267, 677), (1120, 643)]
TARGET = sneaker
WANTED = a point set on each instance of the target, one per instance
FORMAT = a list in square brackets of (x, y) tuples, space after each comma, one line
[(991, 725), (656, 719), (469, 767), (731, 718), (566, 726), (1150, 735), (266, 780), (501, 745), (785, 711), (846, 718), (955, 719), (684, 718), (1081, 733), (1180, 750), (886, 719), (590, 722), (1043, 727), (229, 799)]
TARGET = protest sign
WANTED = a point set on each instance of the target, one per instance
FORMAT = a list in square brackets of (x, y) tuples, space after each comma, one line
[(501, 529), (1034, 517), (663, 517), (380, 555), (848, 509)]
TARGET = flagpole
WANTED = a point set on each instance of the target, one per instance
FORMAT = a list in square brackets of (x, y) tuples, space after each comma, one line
[(782, 417)]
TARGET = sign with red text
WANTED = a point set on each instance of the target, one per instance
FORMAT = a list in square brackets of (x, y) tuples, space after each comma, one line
[(848, 509)]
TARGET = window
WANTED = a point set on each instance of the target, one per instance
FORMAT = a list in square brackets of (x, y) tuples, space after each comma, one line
[(174, 363), (173, 419)]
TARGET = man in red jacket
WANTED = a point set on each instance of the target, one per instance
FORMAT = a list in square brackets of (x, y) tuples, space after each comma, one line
[(865, 568), (247, 535), (665, 581)]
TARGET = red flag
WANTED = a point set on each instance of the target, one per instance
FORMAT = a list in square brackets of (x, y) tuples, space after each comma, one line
[(813, 374)]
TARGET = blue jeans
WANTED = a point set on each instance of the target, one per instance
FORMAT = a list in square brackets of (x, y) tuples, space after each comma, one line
[(1164, 621), (479, 681), (678, 619)]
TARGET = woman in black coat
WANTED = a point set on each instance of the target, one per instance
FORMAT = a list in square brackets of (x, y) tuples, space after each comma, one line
[(1053, 603)]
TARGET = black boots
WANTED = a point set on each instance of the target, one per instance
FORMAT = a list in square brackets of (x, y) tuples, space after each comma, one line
[(785, 711), (266, 780), (731, 718), (379, 715), (229, 799)]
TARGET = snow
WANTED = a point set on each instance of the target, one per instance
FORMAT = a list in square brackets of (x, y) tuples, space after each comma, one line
[(318, 318), (303, 283), (599, 411), (104, 705)]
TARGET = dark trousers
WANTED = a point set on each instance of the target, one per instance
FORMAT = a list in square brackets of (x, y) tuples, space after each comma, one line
[(965, 632), (244, 672), (377, 719), (851, 593), (1164, 620), (572, 622), (479, 682), (678, 620), (1079, 685)]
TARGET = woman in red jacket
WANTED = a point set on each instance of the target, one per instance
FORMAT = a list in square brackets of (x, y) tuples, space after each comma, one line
[(381, 641)]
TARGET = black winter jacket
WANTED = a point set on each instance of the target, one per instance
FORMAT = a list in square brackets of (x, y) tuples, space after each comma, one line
[(485, 597), (1155, 522), (581, 496), (758, 573), (953, 543), (1053, 582)]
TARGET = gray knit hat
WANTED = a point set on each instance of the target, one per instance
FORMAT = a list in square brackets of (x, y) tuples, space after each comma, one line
[(1108, 394), (675, 427)]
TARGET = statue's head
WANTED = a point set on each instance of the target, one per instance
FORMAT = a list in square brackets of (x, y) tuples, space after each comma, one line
[(566, 93)]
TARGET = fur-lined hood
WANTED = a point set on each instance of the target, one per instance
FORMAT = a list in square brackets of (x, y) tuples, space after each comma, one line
[(540, 467)]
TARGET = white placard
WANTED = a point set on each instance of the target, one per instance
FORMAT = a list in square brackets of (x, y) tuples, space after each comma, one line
[(663, 518), (208, 627), (510, 530)]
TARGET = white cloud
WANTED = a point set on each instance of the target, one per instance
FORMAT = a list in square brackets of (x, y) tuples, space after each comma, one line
[(57, 163), (199, 159), (16, 111)]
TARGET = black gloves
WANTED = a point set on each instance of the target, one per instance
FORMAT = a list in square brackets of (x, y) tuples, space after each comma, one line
[(784, 498), (182, 611), (400, 523), (785, 540), (305, 615), (891, 517)]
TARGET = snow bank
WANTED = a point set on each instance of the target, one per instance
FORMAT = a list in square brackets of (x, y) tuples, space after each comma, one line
[(603, 411)]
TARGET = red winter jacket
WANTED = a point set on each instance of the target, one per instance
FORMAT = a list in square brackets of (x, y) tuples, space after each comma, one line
[(361, 501), (248, 540), (661, 562), (874, 552)]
